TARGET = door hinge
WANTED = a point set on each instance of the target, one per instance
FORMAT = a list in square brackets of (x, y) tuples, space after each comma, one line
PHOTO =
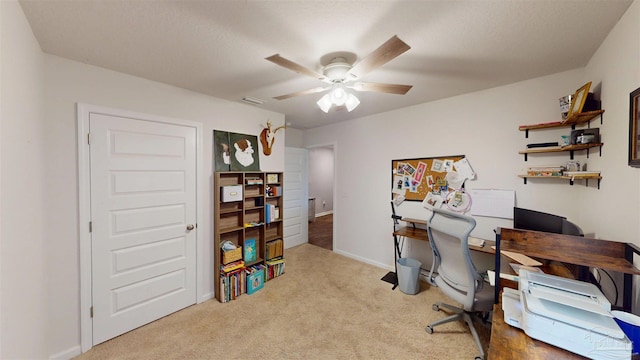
[(91, 311), (89, 138), (90, 226)]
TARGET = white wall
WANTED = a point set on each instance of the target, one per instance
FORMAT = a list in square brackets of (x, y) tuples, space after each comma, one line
[(24, 238), (484, 126), (321, 179), (69, 82), (614, 211), (40, 308), (295, 138)]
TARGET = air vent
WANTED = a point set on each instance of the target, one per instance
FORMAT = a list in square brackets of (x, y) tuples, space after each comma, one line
[(252, 100)]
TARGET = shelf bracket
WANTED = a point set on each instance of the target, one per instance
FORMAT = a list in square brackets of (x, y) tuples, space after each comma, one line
[(526, 134), (571, 154), (525, 181), (525, 157), (571, 182)]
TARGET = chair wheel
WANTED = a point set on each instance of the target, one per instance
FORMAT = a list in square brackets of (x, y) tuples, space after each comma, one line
[(435, 307), (429, 329)]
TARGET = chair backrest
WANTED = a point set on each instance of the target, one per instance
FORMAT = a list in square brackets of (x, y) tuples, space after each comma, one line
[(449, 234)]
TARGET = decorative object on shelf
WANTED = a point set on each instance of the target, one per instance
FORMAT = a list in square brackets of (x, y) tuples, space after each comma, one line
[(221, 151), (267, 137), (585, 136), (250, 253), (243, 155), (578, 100), (565, 105), (634, 119), (231, 193), (272, 179)]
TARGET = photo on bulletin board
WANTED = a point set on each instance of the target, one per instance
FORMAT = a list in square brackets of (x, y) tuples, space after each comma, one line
[(415, 179)]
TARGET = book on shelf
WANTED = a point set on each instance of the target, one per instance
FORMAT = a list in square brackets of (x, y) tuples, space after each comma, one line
[(274, 190), (254, 181), (255, 278), (250, 253), (275, 261), (232, 285), (274, 249), (539, 145), (578, 173), (232, 266), (275, 268), (272, 213)]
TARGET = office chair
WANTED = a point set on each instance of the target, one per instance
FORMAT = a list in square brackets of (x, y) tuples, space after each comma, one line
[(457, 277)]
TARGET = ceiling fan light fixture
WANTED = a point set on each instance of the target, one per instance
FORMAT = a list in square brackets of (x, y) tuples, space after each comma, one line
[(352, 102), (324, 103), (338, 95)]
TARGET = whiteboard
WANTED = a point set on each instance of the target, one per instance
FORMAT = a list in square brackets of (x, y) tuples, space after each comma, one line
[(492, 203)]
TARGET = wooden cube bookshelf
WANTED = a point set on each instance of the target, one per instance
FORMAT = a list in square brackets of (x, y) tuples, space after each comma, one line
[(245, 218)]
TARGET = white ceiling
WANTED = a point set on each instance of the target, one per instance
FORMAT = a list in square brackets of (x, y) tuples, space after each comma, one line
[(218, 47)]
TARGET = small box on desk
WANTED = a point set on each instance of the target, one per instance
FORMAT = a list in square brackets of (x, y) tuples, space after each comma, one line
[(231, 193)]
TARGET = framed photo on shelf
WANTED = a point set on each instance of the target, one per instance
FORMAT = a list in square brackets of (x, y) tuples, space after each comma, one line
[(634, 125), (272, 178), (578, 100)]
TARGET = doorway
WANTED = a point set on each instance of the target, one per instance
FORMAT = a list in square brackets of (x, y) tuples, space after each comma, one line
[(138, 177), (321, 195)]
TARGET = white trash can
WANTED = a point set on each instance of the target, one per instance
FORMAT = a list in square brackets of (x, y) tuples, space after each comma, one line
[(409, 275)]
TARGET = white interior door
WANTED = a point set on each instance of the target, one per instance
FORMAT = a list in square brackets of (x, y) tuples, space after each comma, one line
[(296, 198), (143, 203)]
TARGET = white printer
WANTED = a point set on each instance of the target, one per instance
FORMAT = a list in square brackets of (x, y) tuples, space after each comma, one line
[(570, 314)]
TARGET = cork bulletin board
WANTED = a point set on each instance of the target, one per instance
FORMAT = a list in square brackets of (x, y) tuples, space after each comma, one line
[(416, 178)]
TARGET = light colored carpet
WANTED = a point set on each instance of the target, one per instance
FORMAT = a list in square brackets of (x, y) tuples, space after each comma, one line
[(326, 306)]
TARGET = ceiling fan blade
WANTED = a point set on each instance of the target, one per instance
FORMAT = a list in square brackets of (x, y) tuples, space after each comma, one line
[(303, 92), (279, 60), (385, 88), (380, 56)]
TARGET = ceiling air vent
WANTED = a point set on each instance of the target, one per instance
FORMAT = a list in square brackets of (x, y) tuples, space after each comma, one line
[(252, 101)]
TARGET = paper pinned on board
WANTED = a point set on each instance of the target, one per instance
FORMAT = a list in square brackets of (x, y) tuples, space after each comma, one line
[(463, 168)]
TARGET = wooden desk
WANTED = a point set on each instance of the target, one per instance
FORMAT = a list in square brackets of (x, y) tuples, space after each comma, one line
[(421, 234), (508, 342), (413, 232)]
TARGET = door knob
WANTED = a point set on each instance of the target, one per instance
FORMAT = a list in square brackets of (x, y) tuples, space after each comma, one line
[(190, 227)]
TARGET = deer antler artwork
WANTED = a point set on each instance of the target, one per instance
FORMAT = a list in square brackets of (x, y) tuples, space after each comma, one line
[(267, 136)]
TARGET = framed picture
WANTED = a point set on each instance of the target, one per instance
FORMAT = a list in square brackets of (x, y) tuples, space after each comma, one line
[(221, 151), (244, 152), (578, 100), (634, 125)]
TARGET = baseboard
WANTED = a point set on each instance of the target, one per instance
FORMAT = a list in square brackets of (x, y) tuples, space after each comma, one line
[(364, 260), (207, 297), (324, 213), (67, 354)]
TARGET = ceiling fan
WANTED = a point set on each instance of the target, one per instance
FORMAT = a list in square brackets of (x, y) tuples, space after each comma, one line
[(341, 75)]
